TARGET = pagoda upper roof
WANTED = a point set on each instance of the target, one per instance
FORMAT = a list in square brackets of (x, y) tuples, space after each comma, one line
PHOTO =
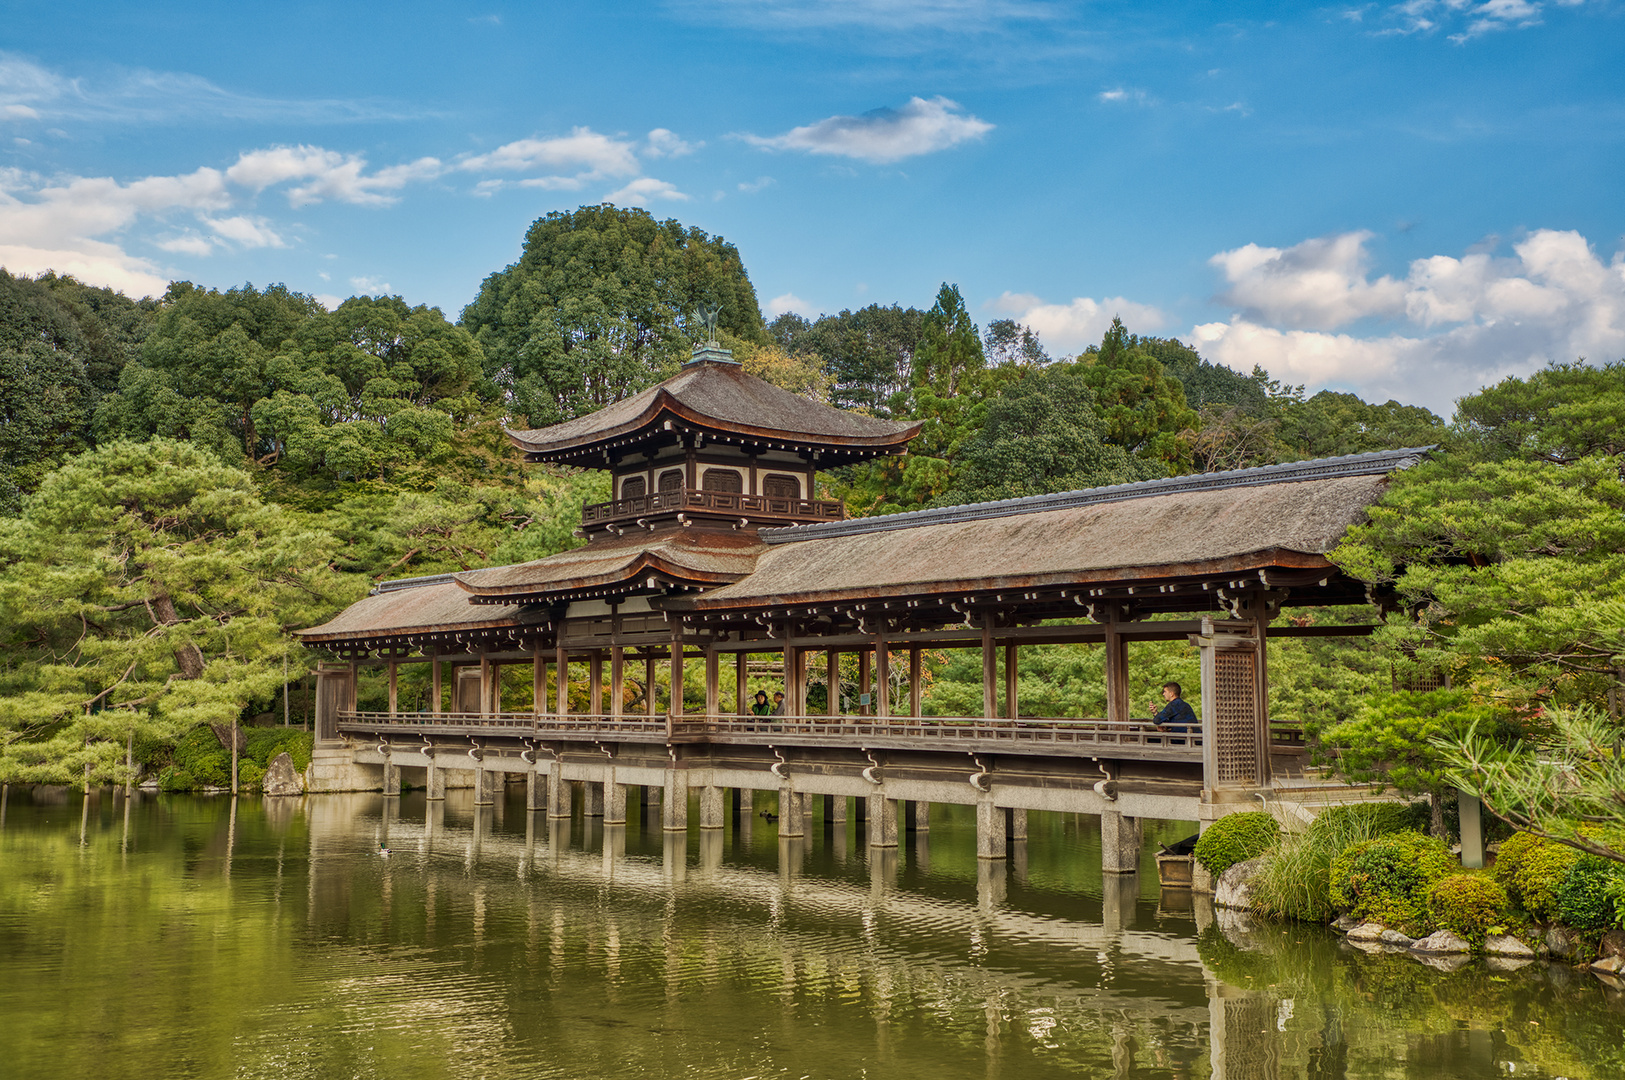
[(719, 399)]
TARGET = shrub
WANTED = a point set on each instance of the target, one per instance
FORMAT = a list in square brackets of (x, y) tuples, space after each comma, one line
[(1531, 868), (1388, 880), (1294, 883), (1584, 898), (1236, 838), (266, 743), (200, 755), (1469, 904), (1364, 821)]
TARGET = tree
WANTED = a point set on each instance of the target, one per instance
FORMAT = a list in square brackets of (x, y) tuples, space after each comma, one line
[(602, 304), (950, 350), (1560, 414), (1009, 342), (1142, 405), (1330, 424), (1041, 435), (146, 589), (868, 354)]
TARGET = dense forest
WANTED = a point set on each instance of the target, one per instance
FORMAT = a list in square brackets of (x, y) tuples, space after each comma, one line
[(184, 481)]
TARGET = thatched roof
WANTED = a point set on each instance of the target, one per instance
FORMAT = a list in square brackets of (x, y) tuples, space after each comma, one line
[(610, 565), (719, 398), (436, 606), (1284, 516)]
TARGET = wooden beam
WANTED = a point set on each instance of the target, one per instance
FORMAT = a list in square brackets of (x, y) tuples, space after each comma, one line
[(434, 681), (617, 680), (1117, 703), (832, 681), (394, 693), (741, 683), (882, 677), (675, 708), (595, 684), (988, 666), (914, 681), (485, 685), (863, 683), (713, 679), (1010, 651), (538, 680), (561, 682), (649, 683)]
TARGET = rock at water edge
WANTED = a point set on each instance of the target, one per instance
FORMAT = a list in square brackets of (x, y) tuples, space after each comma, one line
[(1613, 944), (1235, 887), (280, 777), (1444, 942), (1506, 945), (1394, 937), (1367, 932)]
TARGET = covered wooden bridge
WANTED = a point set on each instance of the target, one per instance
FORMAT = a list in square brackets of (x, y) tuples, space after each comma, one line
[(715, 553)]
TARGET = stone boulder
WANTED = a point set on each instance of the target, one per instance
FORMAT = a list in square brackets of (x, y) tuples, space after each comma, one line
[(1344, 923), (1443, 942), (1612, 944), (1394, 937), (1507, 945), (1370, 931), (281, 778), (1563, 943), (1235, 886)]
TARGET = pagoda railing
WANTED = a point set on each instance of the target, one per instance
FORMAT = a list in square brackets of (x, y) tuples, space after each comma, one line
[(732, 504)]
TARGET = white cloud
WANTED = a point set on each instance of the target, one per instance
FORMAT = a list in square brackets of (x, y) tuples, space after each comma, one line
[(1073, 326), (187, 244), (645, 190), (249, 232), (1552, 299), (884, 135), (371, 286), (663, 143), (329, 175), (582, 155), (790, 302), (751, 187), (893, 15), (1122, 94), (1318, 283), (1469, 18)]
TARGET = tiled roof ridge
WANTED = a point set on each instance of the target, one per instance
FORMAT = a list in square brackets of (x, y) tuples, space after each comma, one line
[(1368, 464), (411, 583)]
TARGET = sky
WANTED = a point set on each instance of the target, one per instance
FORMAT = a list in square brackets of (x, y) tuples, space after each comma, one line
[(1406, 200)]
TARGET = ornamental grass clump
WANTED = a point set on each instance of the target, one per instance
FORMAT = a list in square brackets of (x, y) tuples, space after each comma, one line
[(1469, 905), (1236, 838), (1294, 882), (1388, 880), (1531, 869)]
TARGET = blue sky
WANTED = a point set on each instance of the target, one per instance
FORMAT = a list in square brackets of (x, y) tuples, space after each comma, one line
[(1407, 200)]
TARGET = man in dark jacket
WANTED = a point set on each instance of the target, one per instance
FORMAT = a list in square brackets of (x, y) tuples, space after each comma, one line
[(1176, 717)]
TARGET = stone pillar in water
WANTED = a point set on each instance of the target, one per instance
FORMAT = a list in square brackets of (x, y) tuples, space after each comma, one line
[(535, 790), (392, 778), (711, 807), (435, 778), (592, 799), (792, 814), (559, 791), (1120, 839), (614, 802), (990, 829), (882, 821), (674, 803)]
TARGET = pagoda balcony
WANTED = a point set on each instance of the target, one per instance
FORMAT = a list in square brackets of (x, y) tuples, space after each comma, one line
[(726, 504)]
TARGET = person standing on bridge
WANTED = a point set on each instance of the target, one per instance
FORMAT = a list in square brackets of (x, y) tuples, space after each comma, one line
[(1176, 717), (760, 707), (778, 703)]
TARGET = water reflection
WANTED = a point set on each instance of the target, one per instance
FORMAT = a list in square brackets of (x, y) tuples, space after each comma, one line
[(270, 937)]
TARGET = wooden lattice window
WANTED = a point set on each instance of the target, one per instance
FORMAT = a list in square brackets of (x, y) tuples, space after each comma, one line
[(725, 480), (634, 487), (671, 480), (1235, 715), (781, 486)]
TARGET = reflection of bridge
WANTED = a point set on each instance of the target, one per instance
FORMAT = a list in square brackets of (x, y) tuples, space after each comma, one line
[(883, 933)]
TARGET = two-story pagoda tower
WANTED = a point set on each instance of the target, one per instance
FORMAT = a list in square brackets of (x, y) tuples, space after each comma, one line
[(698, 463)]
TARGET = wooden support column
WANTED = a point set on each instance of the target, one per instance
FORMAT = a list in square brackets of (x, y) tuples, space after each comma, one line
[(394, 688), (595, 684), (434, 682), (676, 708), (741, 683), (989, 667), (914, 681), (1010, 652), (832, 681), (538, 679), (1117, 703), (882, 676), (863, 683), (713, 691), (791, 690), (1261, 696), (561, 682), (617, 689), (649, 681), (485, 684)]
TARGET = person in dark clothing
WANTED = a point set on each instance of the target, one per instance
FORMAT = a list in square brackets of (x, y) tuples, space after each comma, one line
[(778, 704), (760, 707), (1176, 717)]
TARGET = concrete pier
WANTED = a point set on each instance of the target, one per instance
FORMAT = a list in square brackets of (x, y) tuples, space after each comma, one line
[(485, 785), (1120, 841), (434, 779), (592, 799), (559, 792), (711, 808), (882, 821), (614, 804), (535, 790), (990, 829), (392, 778), (792, 814), (674, 803)]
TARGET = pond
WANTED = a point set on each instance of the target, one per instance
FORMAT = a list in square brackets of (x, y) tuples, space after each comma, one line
[(174, 936)]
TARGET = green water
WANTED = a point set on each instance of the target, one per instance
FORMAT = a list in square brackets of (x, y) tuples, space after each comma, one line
[(185, 937)]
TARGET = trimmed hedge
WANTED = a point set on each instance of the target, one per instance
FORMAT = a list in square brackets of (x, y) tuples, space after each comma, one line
[(1389, 880), (1469, 904), (1531, 868), (1584, 899), (1236, 838)]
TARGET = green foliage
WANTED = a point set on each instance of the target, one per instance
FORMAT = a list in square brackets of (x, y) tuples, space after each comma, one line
[(1294, 883), (1393, 736), (603, 303), (1564, 413), (1331, 423), (146, 589), (950, 350), (1585, 896), (1142, 406), (1389, 879), (1531, 868), (1468, 904), (199, 761), (1236, 838), (869, 353)]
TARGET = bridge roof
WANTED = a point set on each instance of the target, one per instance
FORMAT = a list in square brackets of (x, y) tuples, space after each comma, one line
[(614, 566), (1215, 524), (412, 606), (719, 398)]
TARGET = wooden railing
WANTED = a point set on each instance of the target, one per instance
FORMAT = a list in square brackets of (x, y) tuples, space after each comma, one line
[(716, 502), (1067, 737)]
